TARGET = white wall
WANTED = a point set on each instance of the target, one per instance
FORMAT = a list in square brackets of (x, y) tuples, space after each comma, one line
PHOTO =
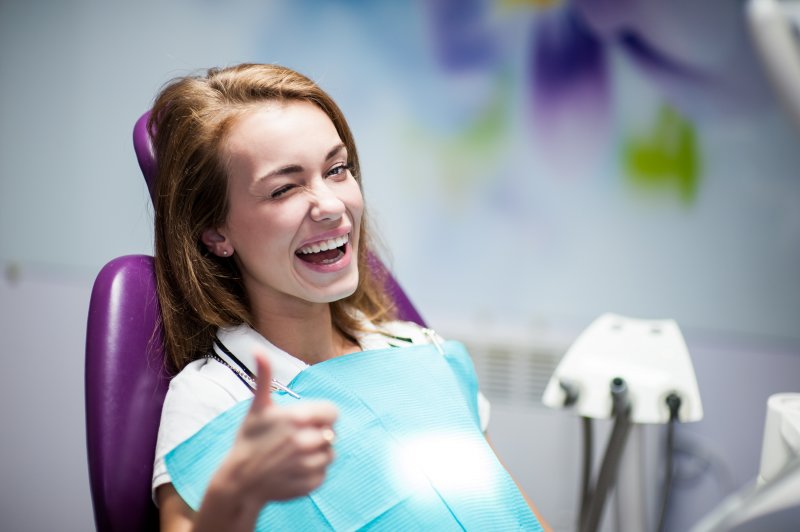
[(44, 480)]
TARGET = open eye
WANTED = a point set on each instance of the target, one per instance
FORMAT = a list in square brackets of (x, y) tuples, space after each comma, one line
[(338, 170)]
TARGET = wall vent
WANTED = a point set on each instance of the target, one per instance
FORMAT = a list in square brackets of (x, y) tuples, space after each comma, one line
[(513, 374)]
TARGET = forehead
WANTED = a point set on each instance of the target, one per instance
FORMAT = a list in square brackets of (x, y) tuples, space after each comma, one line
[(279, 132)]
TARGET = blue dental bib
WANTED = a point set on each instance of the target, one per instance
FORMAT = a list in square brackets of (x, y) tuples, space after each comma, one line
[(410, 454)]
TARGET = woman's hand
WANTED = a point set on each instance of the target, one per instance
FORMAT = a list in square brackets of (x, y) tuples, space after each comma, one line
[(280, 452)]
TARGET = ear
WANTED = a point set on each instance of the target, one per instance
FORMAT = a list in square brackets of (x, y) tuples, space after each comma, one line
[(216, 242)]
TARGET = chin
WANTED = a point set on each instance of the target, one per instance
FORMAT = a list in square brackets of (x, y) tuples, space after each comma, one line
[(335, 292)]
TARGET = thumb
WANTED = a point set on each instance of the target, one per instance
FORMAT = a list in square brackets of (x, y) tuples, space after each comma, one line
[(263, 392)]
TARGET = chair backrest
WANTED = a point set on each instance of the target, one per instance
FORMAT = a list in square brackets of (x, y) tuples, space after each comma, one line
[(125, 387), (126, 379)]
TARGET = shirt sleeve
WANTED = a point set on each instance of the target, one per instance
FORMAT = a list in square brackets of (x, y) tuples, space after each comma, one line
[(200, 392)]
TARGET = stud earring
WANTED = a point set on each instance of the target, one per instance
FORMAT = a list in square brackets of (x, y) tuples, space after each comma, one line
[(225, 253)]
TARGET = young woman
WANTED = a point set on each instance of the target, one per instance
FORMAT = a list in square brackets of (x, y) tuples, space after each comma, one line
[(284, 341)]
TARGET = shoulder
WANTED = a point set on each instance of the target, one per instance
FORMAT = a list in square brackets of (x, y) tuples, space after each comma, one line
[(196, 395), (396, 334), (204, 381)]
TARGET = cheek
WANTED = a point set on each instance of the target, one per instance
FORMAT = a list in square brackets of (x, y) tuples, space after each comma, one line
[(355, 202), (259, 231)]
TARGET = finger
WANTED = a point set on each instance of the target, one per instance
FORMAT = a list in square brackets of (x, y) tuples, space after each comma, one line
[(317, 462), (312, 439), (263, 397), (328, 435), (314, 413)]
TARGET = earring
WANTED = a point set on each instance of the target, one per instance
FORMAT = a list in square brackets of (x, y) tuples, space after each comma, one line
[(225, 253)]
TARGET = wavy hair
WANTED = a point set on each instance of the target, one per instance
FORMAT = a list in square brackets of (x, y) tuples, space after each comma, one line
[(198, 291)]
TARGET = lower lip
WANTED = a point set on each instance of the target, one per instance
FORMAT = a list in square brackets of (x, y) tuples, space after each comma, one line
[(332, 267)]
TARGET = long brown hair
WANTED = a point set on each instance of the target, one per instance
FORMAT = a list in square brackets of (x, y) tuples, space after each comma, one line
[(197, 290)]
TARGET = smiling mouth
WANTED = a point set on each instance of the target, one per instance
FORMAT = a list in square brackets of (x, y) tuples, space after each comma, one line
[(325, 252)]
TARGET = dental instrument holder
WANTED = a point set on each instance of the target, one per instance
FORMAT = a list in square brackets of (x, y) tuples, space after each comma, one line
[(646, 364)]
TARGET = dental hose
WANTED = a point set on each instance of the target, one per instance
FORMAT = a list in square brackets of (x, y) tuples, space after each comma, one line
[(588, 444), (570, 398), (610, 465), (674, 405)]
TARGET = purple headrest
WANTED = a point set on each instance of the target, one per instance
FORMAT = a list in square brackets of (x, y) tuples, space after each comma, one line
[(145, 154)]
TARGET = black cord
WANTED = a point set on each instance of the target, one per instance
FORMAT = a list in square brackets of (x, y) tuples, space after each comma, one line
[(571, 395), (238, 362), (674, 405), (610, 465), (212, 355), (586, 491)]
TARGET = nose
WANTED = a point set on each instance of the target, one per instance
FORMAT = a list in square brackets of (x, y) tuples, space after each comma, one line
[(326, 205)]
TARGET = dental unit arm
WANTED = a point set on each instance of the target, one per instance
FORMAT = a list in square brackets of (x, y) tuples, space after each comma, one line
[(774, 26), (632, 370), (772, 502)]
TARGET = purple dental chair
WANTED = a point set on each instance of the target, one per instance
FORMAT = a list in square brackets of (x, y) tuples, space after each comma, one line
[(126, 379)]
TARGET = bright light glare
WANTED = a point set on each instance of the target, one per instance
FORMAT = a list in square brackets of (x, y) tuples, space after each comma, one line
[(451, 462)]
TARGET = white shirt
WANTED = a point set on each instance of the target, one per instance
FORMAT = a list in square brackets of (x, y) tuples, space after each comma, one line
[(205, 388)]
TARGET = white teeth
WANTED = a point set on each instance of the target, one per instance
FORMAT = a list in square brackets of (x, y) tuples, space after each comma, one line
[(325, 245)]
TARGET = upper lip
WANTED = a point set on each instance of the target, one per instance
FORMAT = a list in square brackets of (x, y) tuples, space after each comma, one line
[(327, 235)]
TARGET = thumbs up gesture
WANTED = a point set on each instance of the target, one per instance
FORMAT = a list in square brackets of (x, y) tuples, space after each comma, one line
[(280, 452)]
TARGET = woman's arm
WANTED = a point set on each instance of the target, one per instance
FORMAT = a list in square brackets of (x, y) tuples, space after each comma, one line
[(542, 522), (218, 512), (279, 453)]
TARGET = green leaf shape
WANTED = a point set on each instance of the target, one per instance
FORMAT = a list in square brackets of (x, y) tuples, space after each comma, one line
[(666, 158)]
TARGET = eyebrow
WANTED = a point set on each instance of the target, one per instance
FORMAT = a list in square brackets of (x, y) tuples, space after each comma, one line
[(296, 168)]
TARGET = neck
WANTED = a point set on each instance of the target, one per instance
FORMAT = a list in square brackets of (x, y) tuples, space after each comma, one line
[(304, 331)]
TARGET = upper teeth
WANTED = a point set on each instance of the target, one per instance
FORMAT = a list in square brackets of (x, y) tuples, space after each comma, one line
[(325, 245)]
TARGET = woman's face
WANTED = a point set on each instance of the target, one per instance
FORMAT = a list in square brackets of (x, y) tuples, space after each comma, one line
[(294, 207)]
